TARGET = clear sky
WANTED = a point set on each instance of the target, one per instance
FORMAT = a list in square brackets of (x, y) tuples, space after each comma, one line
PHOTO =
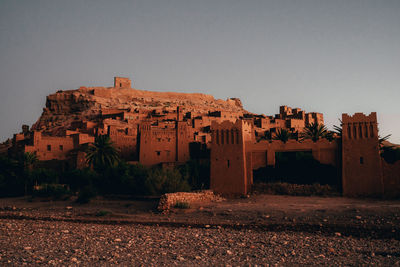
[(337, 56)]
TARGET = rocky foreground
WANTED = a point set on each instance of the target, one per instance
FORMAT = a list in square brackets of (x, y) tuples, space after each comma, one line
[(262, 230), (30, 243)]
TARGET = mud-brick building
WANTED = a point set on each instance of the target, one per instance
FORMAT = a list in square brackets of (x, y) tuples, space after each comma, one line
[(164, 144), (235, 154)]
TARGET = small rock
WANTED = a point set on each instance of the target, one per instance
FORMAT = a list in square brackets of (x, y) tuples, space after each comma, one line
[(207, 226), (358, 217), (117, 240), (338, 234), (27, 248), (229, 252), (68, 208)]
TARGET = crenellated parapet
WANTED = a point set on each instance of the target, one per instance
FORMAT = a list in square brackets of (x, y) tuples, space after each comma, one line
[(360, 126)]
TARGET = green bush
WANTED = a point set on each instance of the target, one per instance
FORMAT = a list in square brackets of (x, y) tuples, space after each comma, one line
[(102, 213), (160, 181), (278, 188), (85, 195), (55, 191)]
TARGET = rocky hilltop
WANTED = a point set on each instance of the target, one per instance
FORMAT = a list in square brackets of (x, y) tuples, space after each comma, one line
[(88, 103)]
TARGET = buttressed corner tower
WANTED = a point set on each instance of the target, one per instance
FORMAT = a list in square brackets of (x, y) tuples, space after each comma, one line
[(361, 170), (230, 171)]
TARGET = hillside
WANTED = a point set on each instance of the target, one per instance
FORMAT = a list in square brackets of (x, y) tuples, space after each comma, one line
[(87, 103)]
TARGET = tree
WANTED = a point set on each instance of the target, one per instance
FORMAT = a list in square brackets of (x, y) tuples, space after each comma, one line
[(315, 131), (282, 135), (102, 154), (338, 129), (30, 160)]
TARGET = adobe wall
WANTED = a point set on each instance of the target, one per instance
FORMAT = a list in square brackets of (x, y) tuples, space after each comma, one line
[(228, 175), (125, 140), (361, 162), (49, 148), (156, 145), (59, 148), (391, 178), (183, 137), (264, 152)]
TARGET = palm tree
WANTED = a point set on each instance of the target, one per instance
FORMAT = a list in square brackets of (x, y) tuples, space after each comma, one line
[(29, 159), (282, 135), (102, 154), (338, 129), (315, 131)]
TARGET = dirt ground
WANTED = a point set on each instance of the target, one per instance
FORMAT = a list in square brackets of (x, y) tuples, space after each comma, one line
[(329, 222)]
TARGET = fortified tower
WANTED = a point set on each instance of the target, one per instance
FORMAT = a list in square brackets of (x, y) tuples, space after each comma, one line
[(120, 82), (361, 170), (229, 166)]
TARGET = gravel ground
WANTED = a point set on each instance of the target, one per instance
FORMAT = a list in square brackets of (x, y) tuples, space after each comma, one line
[(31, 242), (260, 230)]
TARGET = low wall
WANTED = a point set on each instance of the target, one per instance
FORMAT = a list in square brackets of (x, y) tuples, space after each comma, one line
[(391, 179), (167, 201)]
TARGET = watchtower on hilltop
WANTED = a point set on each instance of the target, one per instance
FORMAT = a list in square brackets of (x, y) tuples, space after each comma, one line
[(121, 82)]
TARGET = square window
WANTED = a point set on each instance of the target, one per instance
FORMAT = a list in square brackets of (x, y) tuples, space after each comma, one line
[(158, 153)]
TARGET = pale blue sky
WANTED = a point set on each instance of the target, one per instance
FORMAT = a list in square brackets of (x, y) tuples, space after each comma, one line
[(337, 56)]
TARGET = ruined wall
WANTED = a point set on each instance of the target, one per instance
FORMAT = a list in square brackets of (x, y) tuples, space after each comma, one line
[(361, 168), (228, 161), (168, 201)]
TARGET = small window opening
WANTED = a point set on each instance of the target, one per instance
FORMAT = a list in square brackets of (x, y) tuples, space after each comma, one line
[(48, 147), (120, 84), (158, 153), (361, 160), (61, 147), (228, 162)]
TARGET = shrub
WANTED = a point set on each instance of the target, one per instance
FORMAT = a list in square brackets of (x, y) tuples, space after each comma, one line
[(102, 213), (85, 195), (278, 188), (182, 205), (161, 181), (55, 191)]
